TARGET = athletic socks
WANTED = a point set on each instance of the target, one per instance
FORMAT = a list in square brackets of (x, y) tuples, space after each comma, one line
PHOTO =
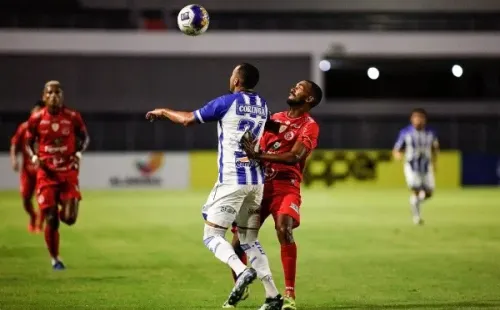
[(289, 262)]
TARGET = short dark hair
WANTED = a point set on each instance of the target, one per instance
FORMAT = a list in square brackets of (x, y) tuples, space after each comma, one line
[(419, 111), (249, 75), (317, 93), (39, 104)]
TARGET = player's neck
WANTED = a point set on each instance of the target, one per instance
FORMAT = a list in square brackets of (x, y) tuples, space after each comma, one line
[(54, 110), (242, 89), (296, 112)]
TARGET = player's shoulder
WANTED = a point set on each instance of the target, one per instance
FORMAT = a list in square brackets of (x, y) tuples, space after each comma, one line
[(36, 116), (23, 125), (310, 121), (279, 116), (430, 131), (70, 112), (406, 130)]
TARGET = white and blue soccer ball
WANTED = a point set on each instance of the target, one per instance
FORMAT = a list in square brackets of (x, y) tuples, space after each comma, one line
[(193, 20)]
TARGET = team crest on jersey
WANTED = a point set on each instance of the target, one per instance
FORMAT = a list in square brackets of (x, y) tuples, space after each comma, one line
[(283, 128), (55, 126), (289, 135)]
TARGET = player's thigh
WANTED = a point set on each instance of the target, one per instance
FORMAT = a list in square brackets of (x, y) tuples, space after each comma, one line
[(223, 204), (47, 196), (290, 206), (429, 181), (249, 215), (413, 178), (27, 184), (70, 189)]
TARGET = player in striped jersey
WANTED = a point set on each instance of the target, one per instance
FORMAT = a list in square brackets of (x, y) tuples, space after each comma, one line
[(419, 146), (237, 194)]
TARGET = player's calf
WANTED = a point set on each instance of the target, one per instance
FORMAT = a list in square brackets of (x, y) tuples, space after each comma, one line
[(69, 212), (284, 229), (52, 235), (28, 207)]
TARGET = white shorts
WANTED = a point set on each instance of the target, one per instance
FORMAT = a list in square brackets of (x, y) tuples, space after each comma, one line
[(233, 203), (418, 180)]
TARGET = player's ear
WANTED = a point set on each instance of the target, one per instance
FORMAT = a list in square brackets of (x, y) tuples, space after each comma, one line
[(309, 99)]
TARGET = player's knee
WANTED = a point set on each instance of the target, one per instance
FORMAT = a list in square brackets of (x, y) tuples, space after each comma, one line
[(70, 220), (428, 194), (211, 234), (285, 233), (247, 236), (52, 218), (27, 200)]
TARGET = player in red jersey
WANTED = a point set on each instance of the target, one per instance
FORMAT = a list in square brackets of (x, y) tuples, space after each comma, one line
[(27, 171), (62, 137), (289, 138)]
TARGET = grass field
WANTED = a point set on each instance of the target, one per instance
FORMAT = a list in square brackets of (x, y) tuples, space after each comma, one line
[(357, 250)]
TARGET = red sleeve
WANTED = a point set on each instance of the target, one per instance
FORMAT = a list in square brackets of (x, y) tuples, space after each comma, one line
[(79, 124), (19, 135), (31, 126), (309, 135)]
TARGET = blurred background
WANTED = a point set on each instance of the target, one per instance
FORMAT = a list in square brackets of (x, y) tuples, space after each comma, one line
[(376, 60), (139, 247)]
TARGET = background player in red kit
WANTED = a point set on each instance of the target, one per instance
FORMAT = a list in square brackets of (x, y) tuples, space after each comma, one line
[(27, 171), (288, 140), (61, 136)]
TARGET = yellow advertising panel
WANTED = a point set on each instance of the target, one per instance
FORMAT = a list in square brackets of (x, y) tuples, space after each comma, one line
[(372, 168), (203, 169), (342, 168)]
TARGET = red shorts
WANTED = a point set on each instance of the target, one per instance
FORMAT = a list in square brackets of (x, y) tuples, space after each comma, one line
[(28, 183), (56, 187), (281, 197)]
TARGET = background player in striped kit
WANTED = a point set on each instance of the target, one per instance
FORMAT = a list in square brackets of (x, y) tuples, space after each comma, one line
[(238, 191), (419, 146)]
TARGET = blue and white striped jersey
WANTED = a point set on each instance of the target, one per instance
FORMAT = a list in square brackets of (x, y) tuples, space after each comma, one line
[(417, 145), (235, 114)]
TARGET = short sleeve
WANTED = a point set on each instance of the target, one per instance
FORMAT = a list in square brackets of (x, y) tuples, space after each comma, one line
[(79, 123), (309, 135), (19, 135), (214, 110), (400, 141), (32, 126)]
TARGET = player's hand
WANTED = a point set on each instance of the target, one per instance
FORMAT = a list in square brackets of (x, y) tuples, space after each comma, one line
[(397, 155), (15, 165), (249, 148), (154, 115), (35, 161)]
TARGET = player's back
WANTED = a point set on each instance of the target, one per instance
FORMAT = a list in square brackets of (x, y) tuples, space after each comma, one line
[(291, 130), (235, 114)]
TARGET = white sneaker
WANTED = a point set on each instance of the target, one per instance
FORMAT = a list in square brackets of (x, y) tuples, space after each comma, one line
[(417, 220)]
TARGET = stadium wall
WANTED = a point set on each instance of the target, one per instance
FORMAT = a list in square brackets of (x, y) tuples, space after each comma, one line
[(325, 169)]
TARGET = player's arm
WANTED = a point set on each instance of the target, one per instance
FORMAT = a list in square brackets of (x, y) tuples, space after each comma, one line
[(210, 112), (31, 135), (435, 151), (82, 135), (306, 142), (178, 117), (397, 150), (14, 146)]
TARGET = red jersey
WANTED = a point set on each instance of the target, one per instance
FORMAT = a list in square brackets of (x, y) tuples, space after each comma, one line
[(19, 142), (303, 129), (57, 137)]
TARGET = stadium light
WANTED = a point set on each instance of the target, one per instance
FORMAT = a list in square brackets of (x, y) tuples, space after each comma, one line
[(457, 71), (325, 65), (373, 73)]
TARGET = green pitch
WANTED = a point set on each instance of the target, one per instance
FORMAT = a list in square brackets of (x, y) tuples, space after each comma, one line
[(357, 250)]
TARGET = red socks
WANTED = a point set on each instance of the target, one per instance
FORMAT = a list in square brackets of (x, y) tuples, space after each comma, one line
[(289, 262), (52, 241), (28, 207)]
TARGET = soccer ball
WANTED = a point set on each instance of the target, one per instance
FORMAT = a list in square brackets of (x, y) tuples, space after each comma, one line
[(193, 20)]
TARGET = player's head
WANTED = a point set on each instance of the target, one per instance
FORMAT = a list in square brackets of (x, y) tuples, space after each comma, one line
[(418, 118), (53, 94), (245, 76), (38, 106), (305, 93)]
